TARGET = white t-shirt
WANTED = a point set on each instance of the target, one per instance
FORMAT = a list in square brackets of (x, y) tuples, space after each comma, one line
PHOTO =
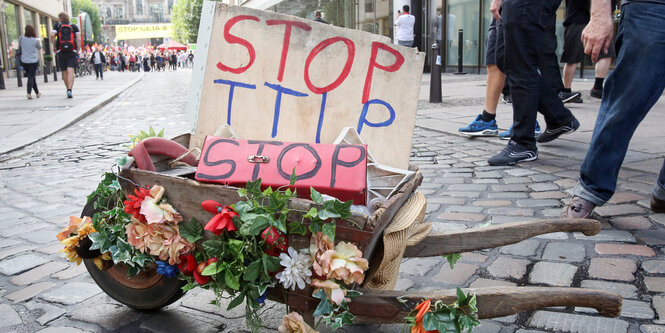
[(405, 24), (97, 58)]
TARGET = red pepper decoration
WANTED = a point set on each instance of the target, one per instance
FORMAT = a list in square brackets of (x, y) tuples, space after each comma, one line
[(201, 279), (276, 241), (223, 218)]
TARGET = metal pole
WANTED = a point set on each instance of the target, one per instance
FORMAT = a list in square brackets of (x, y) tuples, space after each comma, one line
[(460, 52), (2, 79), (45, 75), (55, 73), (435, 76), (18, 75)]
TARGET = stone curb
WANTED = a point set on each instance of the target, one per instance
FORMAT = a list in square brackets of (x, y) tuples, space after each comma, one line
[(64, 119)]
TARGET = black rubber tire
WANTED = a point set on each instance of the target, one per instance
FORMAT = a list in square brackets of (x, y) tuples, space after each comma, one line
[(162, 293)]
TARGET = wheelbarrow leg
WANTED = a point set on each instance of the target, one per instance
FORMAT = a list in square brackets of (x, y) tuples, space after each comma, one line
[(497, 235)]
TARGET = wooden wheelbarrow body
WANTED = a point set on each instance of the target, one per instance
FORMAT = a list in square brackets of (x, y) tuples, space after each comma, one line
[(186, 194)]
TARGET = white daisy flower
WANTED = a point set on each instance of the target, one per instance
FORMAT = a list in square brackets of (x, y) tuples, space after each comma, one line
[(296, 271)]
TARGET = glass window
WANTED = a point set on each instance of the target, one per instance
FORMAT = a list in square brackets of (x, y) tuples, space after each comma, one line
[(139, 7), (28, 18), (13, 32), (156, 12), (463, 15), (118, 12), (170, 3)]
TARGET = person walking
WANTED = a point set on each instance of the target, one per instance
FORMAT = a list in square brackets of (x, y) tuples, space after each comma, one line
[(317, 17), (30, 45), (98, 61), (67, 40), (630, 91), (404, 24)]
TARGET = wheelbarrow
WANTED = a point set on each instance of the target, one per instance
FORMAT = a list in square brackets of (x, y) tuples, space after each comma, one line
[(392, 232)]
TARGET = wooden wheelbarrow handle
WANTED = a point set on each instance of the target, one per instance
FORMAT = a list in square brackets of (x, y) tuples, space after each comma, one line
[(437, 244), (383, 305)]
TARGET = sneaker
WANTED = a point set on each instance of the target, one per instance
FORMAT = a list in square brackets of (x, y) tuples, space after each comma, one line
[(513, 153), (69, 94), (39, 95), (658, 206), (479, 127), (578, 208), (553, 133), (578, 100), (507, 134), (597, 93), (29, 96), (507, 99), (567, 97)]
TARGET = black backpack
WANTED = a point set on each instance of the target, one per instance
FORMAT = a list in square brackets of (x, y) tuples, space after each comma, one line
[(66, 38)]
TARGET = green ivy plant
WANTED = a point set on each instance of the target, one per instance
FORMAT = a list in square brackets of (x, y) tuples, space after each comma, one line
[(451, 318)]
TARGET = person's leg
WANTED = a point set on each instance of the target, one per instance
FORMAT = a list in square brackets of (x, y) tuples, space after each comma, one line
[(97, 70), (495, 80), (65, 77), (569, 74), (630, 92), (549, 64), (602, 67), (32, 76), (70, 78), (30, 70)]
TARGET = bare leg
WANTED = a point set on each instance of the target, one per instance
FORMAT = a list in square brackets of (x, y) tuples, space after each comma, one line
[(602, 67), (495, 81), (568, 74), (65, 78), (69, 80)]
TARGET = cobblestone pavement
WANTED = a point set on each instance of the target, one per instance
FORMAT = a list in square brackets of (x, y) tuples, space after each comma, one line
[(42, 184)]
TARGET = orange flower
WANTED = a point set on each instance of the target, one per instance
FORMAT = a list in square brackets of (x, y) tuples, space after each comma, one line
[(73, 227), (422, 309)]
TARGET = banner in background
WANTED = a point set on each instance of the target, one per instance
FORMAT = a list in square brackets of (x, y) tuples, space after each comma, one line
[(139, 31)]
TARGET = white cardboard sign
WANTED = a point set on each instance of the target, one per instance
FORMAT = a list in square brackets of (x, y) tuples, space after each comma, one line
[(278, 77)]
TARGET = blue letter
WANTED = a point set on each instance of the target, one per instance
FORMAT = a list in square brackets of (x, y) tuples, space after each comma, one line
[(232, 85), (363, 116), (278, 102), (321, 113)]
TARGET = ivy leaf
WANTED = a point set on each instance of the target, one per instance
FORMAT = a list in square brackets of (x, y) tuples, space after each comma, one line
[(252, 271), (353, 293), (329, 230), (236, 301), (270, 264), (213, 248), (189, 286), (236, 246), (97, 239), (316, 196), (312, 213), (294, 177), (280, 223), (254, 224), (232, 280), (297, 228), (452, 259), (324, 308), (254, 187), (460, 297), (320, 294), (267, 191), (315, 227), (192, 231)]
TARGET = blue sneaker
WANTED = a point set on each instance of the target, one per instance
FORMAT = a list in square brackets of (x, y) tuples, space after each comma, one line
[(507, 134), (479, 127)]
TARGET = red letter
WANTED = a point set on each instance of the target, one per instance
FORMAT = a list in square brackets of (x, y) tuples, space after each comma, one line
[(287, 39), (350, 50), (237, 40), (399, 60)]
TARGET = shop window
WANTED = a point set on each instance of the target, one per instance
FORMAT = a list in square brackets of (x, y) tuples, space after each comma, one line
[(13, 32)]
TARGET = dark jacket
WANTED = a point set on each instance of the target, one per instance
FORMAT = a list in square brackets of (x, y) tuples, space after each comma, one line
[(102, 57)]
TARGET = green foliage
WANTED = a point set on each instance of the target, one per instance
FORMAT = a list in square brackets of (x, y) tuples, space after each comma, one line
[(192, 231), (453, 318), (452, 259), (333, 315), (87, 6), (185, 19)]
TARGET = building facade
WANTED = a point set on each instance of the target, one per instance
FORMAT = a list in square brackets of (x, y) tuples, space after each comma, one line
[(15, 15), (133, 12)]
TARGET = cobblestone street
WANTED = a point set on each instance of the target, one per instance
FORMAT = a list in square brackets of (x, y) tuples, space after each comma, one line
[(42, 184)]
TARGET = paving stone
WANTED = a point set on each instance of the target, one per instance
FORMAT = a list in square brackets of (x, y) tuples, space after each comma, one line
[(654, 266), (71, 293), (403, 284), (8, 252), (608, 236), (623, 197), (529, 331), (552, 273), (473, 257), (38, 273), (658, 218), (548, 195), (468, 187), (466, 217), (631, 222), (636, 309), (616, 210), (524, 248), (517, 172), (50, 249), (554, 235), (457, 276), (9, 316), (652, 328), (508, 195), (458, 194), (542, 187), (29, 291), (49, 312), (22, 229), (202, 301), (510, 211), (612, 269), (659, 305), (624, 289), (488, 174), (564, 251), (114, 316), (487, 326), (506, 267), (61, 329), (464, 209), (566, 183), (71, 272), (566, 322), (538, 203), (447, 226), (516, 180), (486, 283), (624, 249), (446, 200), (651, 237), (20, 264), (492, 203), (9, 242), (510, 188), (420, 266), (655, 284), (173, 320)]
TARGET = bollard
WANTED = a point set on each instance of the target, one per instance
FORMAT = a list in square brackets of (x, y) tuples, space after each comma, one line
[(55, 73), (460, 52), (18, 76), (45, 75), (435, 76), (2, 81)]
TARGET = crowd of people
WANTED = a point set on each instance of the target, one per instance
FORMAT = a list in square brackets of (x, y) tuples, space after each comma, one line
[(144, 60)]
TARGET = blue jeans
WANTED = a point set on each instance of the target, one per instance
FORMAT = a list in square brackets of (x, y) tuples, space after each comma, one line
[(630, 91), (519, 49)]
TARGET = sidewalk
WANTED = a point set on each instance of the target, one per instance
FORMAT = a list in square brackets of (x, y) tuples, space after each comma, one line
[(26, 121), (464, 98)]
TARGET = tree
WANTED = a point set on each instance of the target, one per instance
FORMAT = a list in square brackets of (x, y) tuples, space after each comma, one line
[(87, 6), (185, 19)]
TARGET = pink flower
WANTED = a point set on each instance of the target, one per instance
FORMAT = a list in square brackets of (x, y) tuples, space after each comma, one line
[(294, 323), (344, 263), (157, 212), (318, 244), (223, 218), (136, 232), (159, 238), (178, 247), (333, 291)]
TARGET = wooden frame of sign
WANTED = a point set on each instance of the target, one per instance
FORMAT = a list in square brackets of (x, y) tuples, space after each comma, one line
[(278, 77)]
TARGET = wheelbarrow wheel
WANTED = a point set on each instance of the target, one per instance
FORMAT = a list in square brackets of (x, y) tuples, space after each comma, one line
[(146, 291)]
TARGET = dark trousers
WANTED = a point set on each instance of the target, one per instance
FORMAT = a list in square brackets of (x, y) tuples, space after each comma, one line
[(31, 69), (518, 55), (99, 70)]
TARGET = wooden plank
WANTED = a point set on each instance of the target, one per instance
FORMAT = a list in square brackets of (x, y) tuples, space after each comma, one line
[(496, 235), (383, 306)]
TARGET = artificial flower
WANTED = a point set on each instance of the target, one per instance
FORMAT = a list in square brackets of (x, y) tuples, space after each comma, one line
[(294, 323), (177, 247), (318, 244), (333, 291), (296, 269), (73, 227), (344, 263), (187, 264), (136, 232), (157, 212), (72, 242), (100, 261), (262, 298), (133, 204), (170, 271), (277, 242), (422, 309), (223, 218)]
